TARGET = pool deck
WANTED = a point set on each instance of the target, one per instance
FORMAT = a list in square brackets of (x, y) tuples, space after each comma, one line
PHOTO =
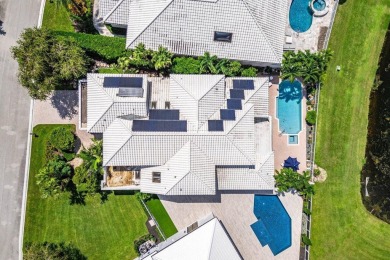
[(236, 214), (280, 141), (309, 40)]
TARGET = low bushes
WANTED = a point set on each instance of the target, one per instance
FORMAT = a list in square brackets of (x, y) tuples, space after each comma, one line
[(108, 49), (306, 240), (287, 179), (62, 139), (46, 250), (142, 240), (311, 117)]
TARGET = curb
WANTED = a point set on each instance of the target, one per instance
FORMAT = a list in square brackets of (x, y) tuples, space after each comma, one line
[(28, 152)]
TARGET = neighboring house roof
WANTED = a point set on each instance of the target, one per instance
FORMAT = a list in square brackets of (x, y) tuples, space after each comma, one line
[(104, 103), (208, 242), (187, 27), (119, 14)]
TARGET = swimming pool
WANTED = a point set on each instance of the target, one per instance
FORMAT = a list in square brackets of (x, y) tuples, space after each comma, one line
[(273, 227), (289, 107), (319, 5), (301, 15)]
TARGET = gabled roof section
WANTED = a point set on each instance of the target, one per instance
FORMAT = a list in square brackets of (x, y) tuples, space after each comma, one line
[(187, 27), (142, 14), (119, 14), (104, 103), (208, 242)]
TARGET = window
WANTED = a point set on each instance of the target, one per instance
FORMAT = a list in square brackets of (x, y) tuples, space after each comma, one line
[(156, 177), (223, 36)]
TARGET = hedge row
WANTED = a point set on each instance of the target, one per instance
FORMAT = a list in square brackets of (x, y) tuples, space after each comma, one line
[(97, 46)]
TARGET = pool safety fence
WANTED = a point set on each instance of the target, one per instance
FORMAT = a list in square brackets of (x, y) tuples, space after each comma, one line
[(307, 220)]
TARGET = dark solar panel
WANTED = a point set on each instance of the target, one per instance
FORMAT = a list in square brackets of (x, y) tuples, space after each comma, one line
[(130, 92), (243, 84), (164, 114), (160, 126), (215, 125), (237, 93), (228, 114), (122, 82), (234, 104)]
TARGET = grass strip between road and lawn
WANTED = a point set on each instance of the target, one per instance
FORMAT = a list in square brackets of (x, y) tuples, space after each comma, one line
[(101, 230), (161, 215), (56, 17), (342, 228)]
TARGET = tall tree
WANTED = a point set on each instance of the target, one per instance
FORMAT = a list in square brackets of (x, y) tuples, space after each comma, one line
[(46, 62)]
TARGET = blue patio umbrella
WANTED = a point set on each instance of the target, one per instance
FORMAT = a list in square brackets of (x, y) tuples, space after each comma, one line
[(291, 163)]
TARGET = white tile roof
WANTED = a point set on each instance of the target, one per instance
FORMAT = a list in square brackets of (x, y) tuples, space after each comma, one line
[(188, 172), (209, 242), (187, 160), (187, 27), (103, 104), (119, 14), (240, 178)]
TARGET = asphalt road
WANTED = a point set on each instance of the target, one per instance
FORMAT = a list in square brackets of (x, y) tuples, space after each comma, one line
[(14, 116)]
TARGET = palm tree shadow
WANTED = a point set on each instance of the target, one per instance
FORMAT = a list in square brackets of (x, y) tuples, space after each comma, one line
[(291, 93)]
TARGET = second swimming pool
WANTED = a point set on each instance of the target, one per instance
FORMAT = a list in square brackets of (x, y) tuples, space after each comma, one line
[(289, 107)]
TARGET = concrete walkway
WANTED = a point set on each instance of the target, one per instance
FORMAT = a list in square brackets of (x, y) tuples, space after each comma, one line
[(236, 213), (61, 108)]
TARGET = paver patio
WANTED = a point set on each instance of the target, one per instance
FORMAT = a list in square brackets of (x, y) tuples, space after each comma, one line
[(236, 213), (280, 141), (61, 108)]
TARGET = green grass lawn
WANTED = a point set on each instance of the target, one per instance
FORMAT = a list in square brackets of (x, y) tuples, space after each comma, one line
[(157, 209), (56, 17), (100, 230), (342, 227)]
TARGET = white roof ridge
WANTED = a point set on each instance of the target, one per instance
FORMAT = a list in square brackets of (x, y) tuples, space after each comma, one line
[(212, 238), (113, 10), (147, 26), (261, 29), (173, 77), (261, 167), (124, 143), (248, 107), (222, 78)]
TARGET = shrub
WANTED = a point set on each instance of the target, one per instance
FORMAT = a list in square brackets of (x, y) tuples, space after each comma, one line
[(306, 240), (54, 177), (317, 172), (142, 240), (249, 72), (306, 211), (311, 117), (186, 65), (144, 196), (288, 179), (62, 139), (105, 48), (46, 250)]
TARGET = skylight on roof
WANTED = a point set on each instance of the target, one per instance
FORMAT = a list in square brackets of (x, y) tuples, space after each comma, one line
[(223, 36)]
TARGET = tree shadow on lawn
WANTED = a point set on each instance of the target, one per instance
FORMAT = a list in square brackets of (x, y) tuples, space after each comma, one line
[(66, 103)]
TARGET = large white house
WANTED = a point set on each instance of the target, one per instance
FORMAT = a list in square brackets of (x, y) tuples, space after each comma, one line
[(182, 135), (251, 31)]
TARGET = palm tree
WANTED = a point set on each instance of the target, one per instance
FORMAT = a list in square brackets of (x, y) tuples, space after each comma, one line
[(162, 59), (207, 63), (141, 57), (92, 157)]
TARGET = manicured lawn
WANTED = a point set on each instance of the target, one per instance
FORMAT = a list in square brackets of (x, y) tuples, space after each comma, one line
[(157, 209), (100, 230), (56, 18), (342, 228)]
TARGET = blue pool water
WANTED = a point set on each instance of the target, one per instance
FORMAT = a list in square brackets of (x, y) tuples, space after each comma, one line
[(300, 15), (273, 227), (289, 107), (319, 5), (293, 139)]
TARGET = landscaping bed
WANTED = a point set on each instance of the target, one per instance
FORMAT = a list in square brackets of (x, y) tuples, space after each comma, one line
[(102, 228), (161, 215)]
